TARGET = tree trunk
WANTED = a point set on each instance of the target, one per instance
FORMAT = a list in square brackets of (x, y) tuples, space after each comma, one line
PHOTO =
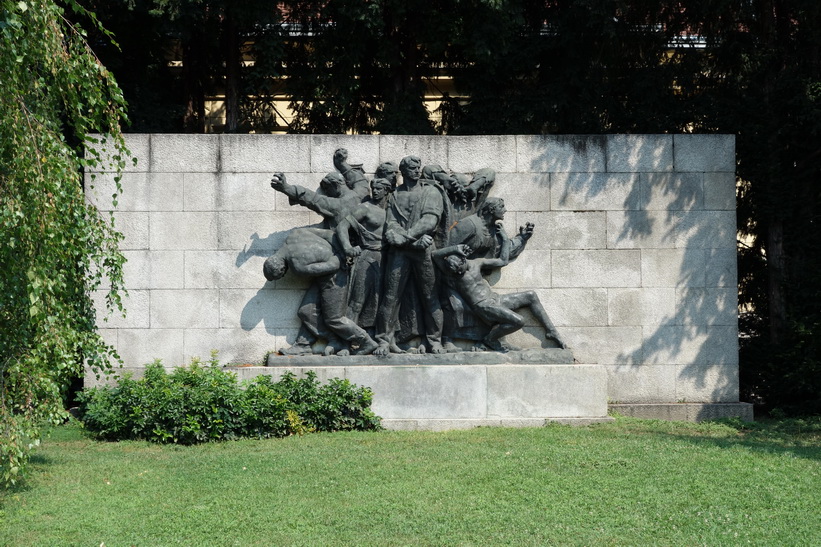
[(231, 51)]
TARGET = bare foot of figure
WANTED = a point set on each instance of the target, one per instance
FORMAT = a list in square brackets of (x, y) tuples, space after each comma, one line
[(436, 347), (367, 347), (299, 348)]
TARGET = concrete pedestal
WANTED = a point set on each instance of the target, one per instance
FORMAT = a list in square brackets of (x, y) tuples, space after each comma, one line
[(463, 390)]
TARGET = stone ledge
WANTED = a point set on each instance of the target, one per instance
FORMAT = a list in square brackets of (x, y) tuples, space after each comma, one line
[(449, 425), (549, 356), (684, 412), (443, 396)]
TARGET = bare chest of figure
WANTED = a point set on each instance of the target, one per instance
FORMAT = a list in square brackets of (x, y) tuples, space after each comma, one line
[(406, 200)]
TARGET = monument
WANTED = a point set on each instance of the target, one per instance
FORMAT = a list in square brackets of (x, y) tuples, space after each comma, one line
[(410, 229), (620, 247)]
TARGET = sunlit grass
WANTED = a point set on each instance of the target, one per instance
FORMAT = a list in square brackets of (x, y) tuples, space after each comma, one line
[(628, 483)]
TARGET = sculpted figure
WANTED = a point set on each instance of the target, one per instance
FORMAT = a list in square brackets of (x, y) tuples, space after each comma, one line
[(367, 222), (334, 203), (353, 174), (314, 252), (478, 231), (497, 311), (413, 215), (390, 171)]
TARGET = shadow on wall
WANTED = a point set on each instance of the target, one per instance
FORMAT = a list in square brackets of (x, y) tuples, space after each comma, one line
[(686, 300), (274, 303)]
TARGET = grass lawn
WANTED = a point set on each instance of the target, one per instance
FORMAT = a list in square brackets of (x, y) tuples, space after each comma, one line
[(631, 482)]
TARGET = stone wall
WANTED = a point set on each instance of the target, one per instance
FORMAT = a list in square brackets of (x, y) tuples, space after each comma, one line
[(633, 255)]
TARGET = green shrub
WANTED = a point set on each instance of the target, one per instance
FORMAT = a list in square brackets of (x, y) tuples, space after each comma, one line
[(199, 403), (338, 405)]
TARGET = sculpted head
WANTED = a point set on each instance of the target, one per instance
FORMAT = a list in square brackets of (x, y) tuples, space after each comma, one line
[(493, 208), (411, 168), (274, 267), (388, 170), (380, 188), (332, 184)]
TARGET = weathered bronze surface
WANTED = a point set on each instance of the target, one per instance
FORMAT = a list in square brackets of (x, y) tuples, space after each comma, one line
[(400, 268)]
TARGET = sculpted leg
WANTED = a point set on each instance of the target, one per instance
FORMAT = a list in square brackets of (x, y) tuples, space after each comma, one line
[(530, 300)]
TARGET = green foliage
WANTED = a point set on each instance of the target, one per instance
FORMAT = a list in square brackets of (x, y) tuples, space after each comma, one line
[(54, 247), (199, 403), (336, 406)]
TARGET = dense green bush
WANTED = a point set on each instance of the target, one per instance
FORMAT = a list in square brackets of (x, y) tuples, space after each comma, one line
[(202, 403)]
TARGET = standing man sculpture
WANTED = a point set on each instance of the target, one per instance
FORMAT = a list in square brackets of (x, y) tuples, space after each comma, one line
[(414, 212)]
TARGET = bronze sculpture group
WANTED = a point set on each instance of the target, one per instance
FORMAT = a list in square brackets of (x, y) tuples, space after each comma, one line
[(396, 263)]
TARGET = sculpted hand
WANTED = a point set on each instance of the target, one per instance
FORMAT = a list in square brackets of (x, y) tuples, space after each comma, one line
[(278, 181), (500, 226), (464, 250), (396, 238), (340, 157), (423, 242), (353, 251), (526, 231)]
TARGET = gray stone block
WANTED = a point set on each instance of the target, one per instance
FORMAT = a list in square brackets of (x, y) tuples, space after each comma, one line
[(153, 269), (687, 412), (564, 230), (556, 391), (706, 383), (224, 270), (639, 307), (249, 309), (604, 345), (184, 153), (139, 192), (247, 192), (395, 147), (431, 392), (639, 153), (136, 306), (138, 146), (530, 271), (721, 268), (265, 153), (704, 153), (469, 154), (183, 230), (596, 268), (714, 306), (719, 191), (135, 229), (675, 345), (672, 191), (236, 346), (258, 233), (707, 230), (142, 346), (575, 307), (642, 229), (523, 191), (362, 149), (673, 267), (560, 153), (594, 191), (722, 345), (185, 309), (200, 191), (641, 384)]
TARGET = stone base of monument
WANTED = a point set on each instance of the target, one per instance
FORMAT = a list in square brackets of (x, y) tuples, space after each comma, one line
[(461, 390), (684, 412)]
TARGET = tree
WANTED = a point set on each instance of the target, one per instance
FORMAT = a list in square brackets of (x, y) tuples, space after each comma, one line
[(55, 247)]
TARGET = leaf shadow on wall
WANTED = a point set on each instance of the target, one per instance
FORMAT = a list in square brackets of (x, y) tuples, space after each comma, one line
[(675, 305)]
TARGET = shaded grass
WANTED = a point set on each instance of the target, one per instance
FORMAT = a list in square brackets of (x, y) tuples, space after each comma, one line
[(628, 483)]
